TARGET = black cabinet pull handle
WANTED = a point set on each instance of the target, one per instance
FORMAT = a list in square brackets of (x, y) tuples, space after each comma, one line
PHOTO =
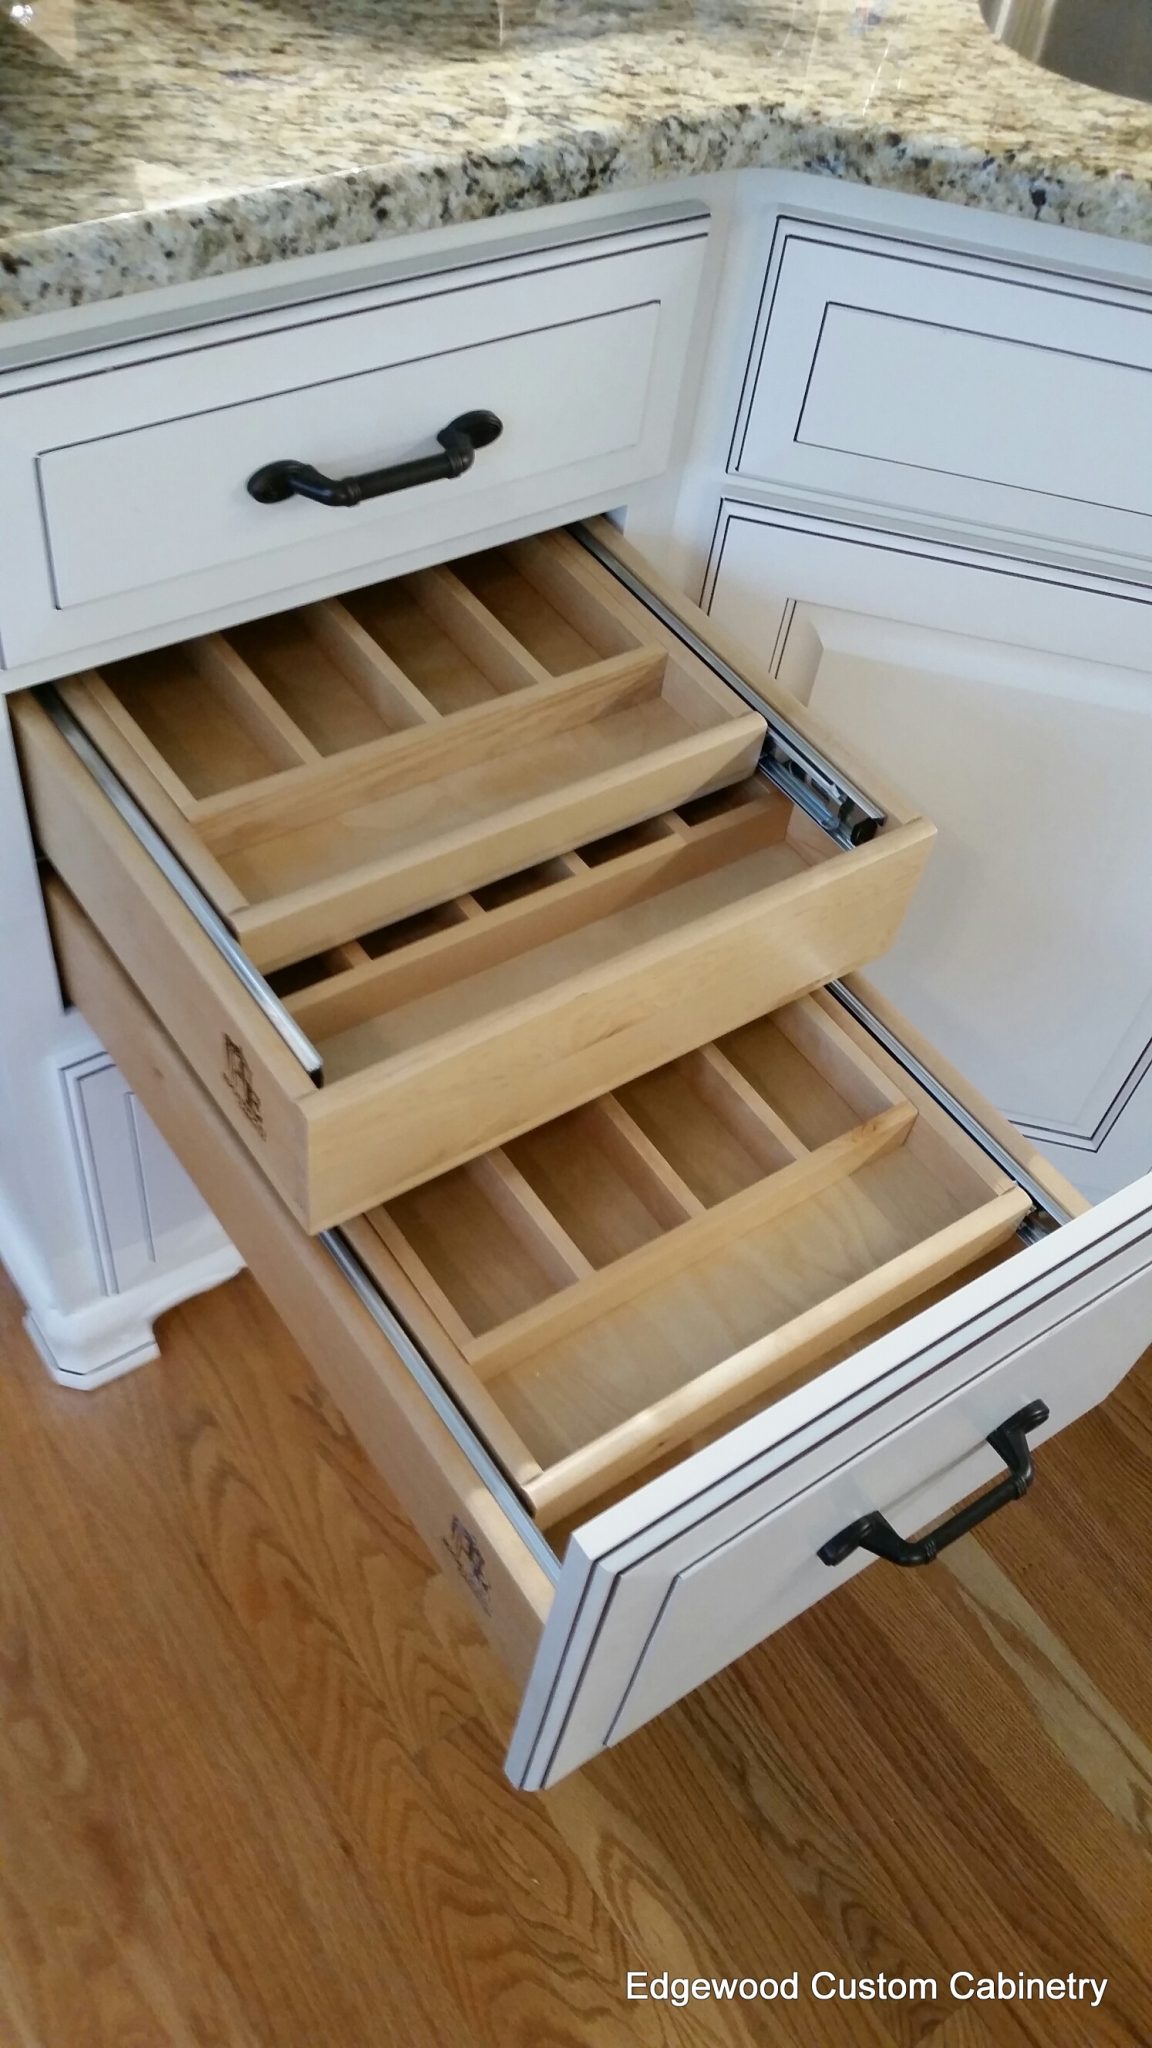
[(874, 1533), (459, 440)]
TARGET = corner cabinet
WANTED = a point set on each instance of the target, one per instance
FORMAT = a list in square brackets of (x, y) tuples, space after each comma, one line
[(932, 520)]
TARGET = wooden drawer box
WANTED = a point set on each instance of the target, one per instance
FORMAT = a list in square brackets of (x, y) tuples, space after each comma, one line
[(492, 833), (659, 1368), (614, 1282), (123, 475)]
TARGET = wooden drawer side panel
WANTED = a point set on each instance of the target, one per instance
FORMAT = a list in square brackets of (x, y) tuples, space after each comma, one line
[(464, 1529), (251, 1074)]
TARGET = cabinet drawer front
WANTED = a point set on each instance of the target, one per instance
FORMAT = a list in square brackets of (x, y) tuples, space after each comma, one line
[(686, 1575), (861, 341), (196, 466), (139, 465), (549, 871)]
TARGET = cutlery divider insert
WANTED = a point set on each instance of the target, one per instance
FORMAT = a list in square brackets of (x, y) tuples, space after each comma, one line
[(451, 649), (403, 743), (456, 952), (330, 678), (564, 1265), (543, 595), (505, 662), (199, 717), (322, 790)]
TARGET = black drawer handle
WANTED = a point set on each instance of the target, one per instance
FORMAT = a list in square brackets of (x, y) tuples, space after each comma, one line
[(459, 439), (874, 1533)]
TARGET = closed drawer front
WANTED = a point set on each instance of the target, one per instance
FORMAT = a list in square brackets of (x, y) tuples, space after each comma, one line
[(492, 834), (124, 492), (916, 380), (680, 1335)]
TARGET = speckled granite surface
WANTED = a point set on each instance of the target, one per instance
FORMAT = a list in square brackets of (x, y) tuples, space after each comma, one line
[(154, 141)]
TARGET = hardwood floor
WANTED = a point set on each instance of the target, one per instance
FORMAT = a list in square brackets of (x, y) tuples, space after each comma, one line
[(250, 1796)]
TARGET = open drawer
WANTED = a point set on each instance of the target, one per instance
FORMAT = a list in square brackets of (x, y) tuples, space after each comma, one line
[(662, 1374), (472, 846)]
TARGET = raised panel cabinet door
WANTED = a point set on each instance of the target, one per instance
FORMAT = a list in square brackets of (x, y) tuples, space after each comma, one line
[(1027, 953)]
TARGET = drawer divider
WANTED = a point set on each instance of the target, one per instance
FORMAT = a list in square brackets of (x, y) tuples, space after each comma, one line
[(1047, 1212), (667, 1423), (380, 681), (313, 791), (348, 955), (657, 1180), (408, 1259), (558, 573), (103, 709), (695, 1238), (467, 621), (255, 708), (518, 1202), (862, 1083), (762, 1128)]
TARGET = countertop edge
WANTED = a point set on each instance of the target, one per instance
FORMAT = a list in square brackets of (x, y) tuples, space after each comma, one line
[(123, 255)]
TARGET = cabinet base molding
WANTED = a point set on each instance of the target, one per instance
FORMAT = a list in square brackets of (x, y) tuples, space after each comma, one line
[(86, 1346)]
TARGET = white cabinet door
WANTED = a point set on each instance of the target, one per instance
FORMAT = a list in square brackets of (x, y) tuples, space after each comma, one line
[(664, 1589), (1027, 954)]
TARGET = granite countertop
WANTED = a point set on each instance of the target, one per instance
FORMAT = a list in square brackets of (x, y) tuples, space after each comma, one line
[(148, 142)]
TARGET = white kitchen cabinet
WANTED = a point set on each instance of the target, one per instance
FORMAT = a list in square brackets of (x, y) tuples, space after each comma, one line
[(664, 1283), (1019, 710)]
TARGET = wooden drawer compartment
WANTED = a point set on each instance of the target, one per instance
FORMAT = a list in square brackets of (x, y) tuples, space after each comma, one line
[(549, 871), (808, 1382), (612, 1284), (350, 763)]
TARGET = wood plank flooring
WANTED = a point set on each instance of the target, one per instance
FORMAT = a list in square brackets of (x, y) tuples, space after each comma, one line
[(250, 1785)]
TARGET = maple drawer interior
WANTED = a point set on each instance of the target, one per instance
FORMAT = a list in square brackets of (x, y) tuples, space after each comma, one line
[(358, 760), (602, 1289), (492, 835), (532, 936)]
